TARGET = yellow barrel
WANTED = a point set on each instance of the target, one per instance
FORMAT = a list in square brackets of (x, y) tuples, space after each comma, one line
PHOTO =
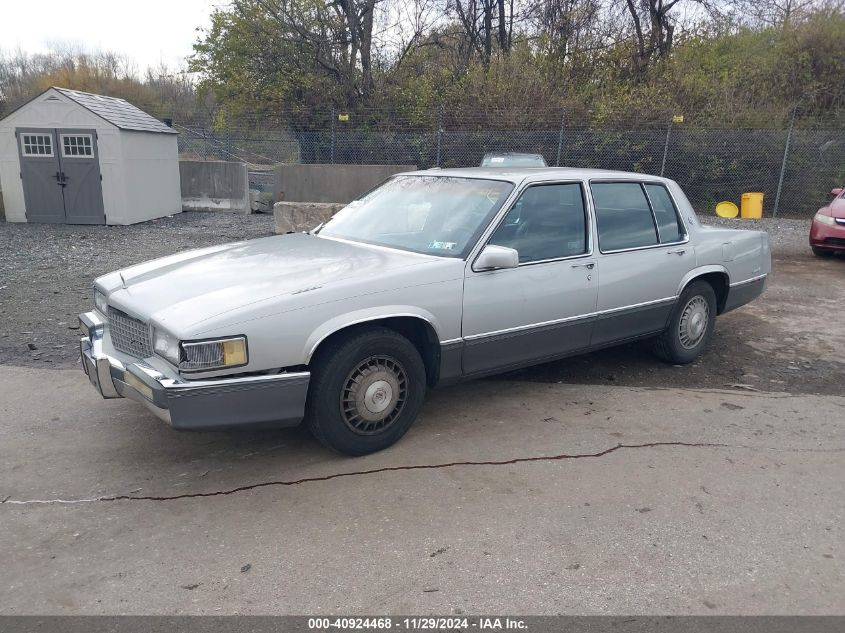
[(752, 205)]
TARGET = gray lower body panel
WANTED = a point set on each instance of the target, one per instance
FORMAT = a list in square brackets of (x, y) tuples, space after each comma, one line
[(631, 323), (743, 293), (514, 349), (267, 404)]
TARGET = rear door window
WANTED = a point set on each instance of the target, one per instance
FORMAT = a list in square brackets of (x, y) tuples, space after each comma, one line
[(623, 216)]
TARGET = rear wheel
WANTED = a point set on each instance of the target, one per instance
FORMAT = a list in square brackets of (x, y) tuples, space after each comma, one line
[(691, 326), (366, 390), (821, 252)]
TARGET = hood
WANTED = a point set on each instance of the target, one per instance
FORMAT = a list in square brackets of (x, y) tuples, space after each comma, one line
[(184, 290)]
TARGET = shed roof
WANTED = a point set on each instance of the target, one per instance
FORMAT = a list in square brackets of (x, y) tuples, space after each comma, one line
[(118, 112)]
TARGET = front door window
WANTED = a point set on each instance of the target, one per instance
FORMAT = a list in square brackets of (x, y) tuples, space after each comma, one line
[(548, 222)]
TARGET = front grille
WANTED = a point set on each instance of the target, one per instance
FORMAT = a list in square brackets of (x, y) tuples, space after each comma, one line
[(129, 335), (835, 241)]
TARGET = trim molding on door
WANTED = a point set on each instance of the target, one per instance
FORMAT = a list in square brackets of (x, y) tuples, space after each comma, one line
[(589, 315)]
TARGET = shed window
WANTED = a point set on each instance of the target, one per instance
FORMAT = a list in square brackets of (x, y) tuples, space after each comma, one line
[(37, 144), (77, 145)]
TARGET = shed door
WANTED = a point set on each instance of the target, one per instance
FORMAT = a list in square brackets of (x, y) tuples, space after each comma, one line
[(80, 167), (41, 174), (61, 176)]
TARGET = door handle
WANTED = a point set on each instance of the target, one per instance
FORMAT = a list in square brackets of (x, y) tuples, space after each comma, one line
[(589, 265), (680, 251)]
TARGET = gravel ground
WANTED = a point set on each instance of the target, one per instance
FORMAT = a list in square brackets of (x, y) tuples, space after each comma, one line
[(47, 272), (788, 236)]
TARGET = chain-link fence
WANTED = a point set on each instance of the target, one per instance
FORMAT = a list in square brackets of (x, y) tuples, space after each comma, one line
[(794, 168)]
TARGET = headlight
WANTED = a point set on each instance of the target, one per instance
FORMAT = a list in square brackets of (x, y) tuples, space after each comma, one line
[(216, 354), (100, 301), (166, 345), (824, 219)]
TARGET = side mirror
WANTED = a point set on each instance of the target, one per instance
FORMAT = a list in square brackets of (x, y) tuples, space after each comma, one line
[(493, 257), (836, 191)]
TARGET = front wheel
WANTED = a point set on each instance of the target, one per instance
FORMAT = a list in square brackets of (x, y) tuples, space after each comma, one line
[(691, 326), (366, 390)]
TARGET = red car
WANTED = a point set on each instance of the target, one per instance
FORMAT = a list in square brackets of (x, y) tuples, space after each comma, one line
[(827, 234)]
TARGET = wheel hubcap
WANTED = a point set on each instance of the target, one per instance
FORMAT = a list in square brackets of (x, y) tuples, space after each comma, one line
[(378, 396), (693, 323), (374, 395)]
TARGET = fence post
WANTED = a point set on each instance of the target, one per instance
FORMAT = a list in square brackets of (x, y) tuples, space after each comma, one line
[(783, 162), (666, 146), (334, 122), (439, 133), (560, 137)]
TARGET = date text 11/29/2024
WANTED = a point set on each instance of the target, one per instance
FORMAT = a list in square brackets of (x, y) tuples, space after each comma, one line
[(430, 623)]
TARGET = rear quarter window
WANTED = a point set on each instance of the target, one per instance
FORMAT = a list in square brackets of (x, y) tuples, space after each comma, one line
[(668, 226)]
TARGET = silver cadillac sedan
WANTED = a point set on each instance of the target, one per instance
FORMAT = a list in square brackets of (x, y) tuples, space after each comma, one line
[(431, 278)]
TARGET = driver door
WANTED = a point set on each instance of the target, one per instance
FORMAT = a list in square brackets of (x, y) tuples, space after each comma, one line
[(545, 307)]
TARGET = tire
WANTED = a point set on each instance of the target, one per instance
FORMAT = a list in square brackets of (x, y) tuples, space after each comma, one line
[(691, 325), (821, 252), (365, 392)]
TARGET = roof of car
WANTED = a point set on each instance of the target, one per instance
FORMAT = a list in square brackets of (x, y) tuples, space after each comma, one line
[(519, 174), (511, 154)]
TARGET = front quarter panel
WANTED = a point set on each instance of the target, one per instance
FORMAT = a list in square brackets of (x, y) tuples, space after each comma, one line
[(288, 338)]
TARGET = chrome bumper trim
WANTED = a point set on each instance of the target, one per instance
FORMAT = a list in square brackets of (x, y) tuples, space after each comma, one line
[(266, 400), (749, 281)]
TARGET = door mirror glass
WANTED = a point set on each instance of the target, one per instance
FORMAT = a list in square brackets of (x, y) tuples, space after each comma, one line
[(836, 191), (493, 257)]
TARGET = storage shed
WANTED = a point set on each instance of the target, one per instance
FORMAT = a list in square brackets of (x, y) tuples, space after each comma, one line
[(72, 157)]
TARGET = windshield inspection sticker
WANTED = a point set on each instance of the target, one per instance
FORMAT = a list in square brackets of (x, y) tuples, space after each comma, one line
[(443, 246)]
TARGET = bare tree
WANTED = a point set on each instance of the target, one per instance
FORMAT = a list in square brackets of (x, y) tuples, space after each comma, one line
[(781, 13), (487, 24), (654, 23)]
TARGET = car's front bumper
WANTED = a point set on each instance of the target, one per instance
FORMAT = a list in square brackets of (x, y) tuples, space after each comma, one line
[(265, 400), (827, 236)]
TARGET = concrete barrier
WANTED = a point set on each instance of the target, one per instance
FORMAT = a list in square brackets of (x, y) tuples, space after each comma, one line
[(214, 186), (330, 183), (302, 216)]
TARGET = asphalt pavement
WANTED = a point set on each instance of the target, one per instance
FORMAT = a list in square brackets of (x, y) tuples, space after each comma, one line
[(505, 497)]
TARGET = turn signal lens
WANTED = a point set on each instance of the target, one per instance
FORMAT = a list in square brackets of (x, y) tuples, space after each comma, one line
[(100, 301), (166, 345), (234, 352)]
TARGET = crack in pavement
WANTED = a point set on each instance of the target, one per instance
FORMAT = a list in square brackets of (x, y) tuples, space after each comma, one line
[(386, 469)]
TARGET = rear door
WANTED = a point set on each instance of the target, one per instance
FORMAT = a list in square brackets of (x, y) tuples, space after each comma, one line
[(41, 175), (81, 181), (644, 255)]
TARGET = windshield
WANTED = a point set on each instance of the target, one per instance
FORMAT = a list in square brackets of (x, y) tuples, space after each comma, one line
[(514, 160), (437, 215)]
